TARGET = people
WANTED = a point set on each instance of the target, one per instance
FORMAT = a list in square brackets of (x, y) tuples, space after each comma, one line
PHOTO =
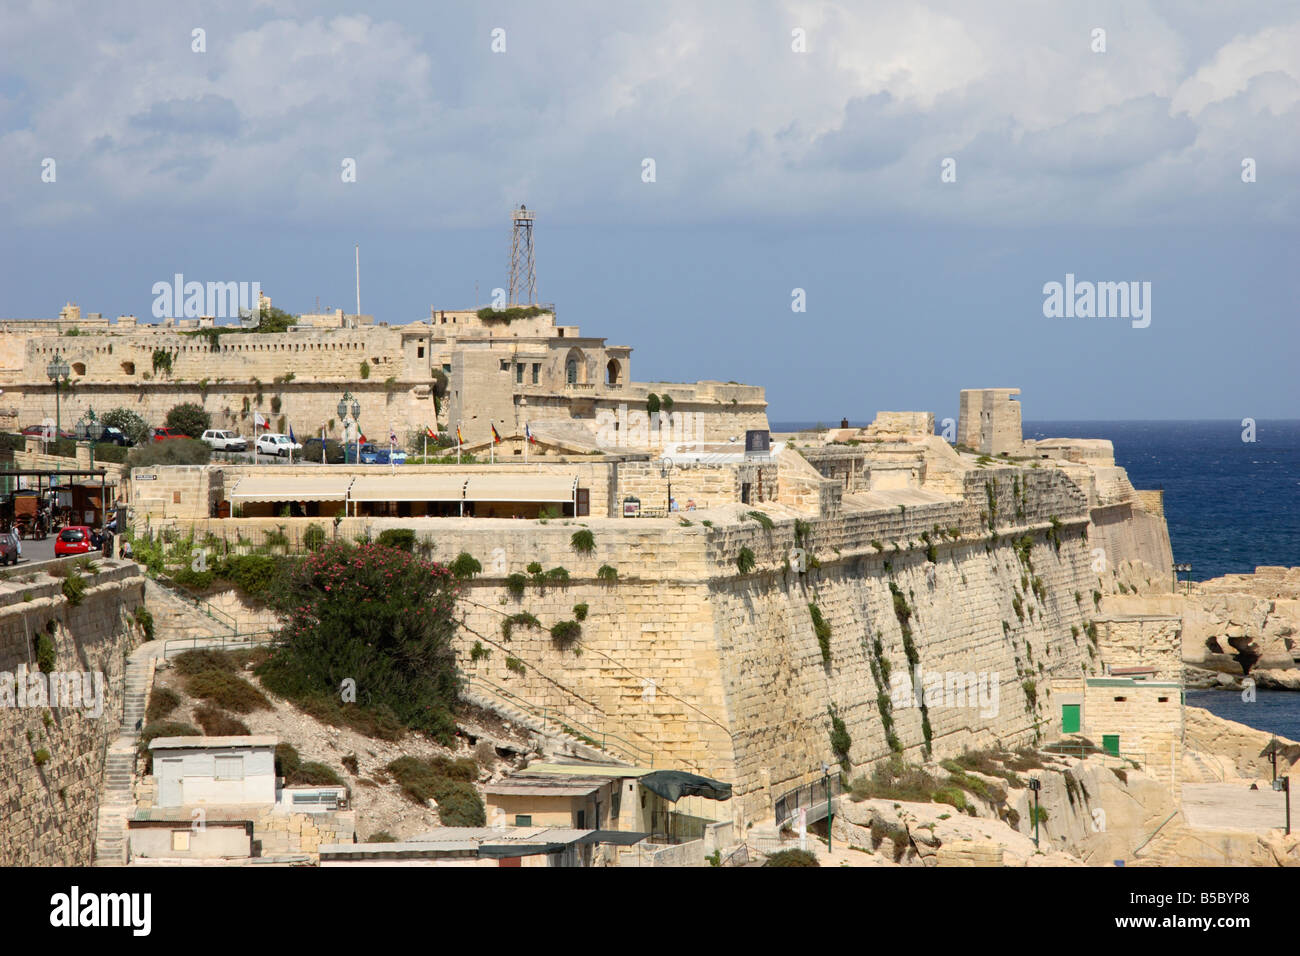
[(108, 543), (126, 548), (96, 539)]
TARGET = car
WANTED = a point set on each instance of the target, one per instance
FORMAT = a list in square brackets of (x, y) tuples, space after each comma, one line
[(164, 434), (8, 549), (222, 440), (115, 436), (372, 454), (41, 431), (311, 450), (274, 444), (74, 539)]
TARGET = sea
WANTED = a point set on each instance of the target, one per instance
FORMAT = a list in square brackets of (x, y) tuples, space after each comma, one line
[(1232, 503)]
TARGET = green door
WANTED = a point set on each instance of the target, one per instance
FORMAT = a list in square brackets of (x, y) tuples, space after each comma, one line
[(1069, 718), (1110, 744)]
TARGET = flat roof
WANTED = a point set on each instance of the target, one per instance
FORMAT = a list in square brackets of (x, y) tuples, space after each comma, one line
[(211, 743), (582, 770), (539, 787)]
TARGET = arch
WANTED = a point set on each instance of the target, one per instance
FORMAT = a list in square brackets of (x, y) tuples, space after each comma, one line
[(128, 368), (575, 367), (613, 370), (79, 368)]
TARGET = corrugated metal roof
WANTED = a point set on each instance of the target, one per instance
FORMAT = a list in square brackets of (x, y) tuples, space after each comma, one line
[(301, 488)]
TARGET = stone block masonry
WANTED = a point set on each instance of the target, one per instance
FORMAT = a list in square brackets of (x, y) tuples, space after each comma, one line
[(49, 803)]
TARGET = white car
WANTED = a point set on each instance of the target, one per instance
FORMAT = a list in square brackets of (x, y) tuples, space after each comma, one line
[(272, 444), (220, 440)]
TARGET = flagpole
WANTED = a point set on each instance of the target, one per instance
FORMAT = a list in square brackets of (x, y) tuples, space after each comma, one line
[(526, 443)]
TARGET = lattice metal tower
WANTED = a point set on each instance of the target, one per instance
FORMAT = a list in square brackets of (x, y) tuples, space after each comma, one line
[(523, 267)]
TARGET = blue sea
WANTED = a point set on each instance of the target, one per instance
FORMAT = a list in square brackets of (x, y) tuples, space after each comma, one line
[(1273, 711), (1230, 505)]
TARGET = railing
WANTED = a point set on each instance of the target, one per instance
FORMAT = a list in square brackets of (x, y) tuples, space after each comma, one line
[(1138, 849), (1138, 760), (179, 645), (574, 728), (811, 796)]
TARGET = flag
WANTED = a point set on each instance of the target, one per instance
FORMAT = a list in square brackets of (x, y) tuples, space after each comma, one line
[(430, 432), (496, 439), (291, 438), (259, 421), (528, 433), (459, 440), (362, 438)]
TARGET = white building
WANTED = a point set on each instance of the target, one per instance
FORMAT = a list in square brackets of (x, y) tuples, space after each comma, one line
[(214, 770)]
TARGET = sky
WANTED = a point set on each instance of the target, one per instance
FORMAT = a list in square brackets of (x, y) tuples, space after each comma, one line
[(913, 174)]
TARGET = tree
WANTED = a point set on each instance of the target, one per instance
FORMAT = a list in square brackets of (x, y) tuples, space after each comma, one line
[(189, 419), (129, 423), (275, 320), (652, 403), (378, 616)]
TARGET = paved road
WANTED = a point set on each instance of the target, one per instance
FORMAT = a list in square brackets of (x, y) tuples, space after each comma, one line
[(1226, 806)]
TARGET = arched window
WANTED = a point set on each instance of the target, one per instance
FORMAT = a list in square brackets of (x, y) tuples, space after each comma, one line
[(612, 372), (575, 368), (571, 371)]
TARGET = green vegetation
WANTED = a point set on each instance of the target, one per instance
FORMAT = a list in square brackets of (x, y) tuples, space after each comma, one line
[(403, 539), (607, 574), (478, 652), (565, 633), (652, 403), (465, 566), (745, 561), (823, 631), (74, 587), (522, 619), (583, 542), (349, 617), (166, 728), (841, 742), (41, 757), (448, 782), (162, 702), (188, 419), (515, 585), (580, 612), (162, 361), (217, 723), (211, 675), (174, 451), (131, 424), (46, 654), (313, 539), (792, 858), (761, 518), (515, 666), (364, 371), (509, 315)]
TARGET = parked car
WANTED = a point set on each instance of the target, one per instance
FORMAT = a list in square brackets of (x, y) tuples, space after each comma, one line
[(8, 549), (273, 444), (311, 450), (74, 539), (115, 436), (40, 431), (163, 434), (372, 454), (221, 440)]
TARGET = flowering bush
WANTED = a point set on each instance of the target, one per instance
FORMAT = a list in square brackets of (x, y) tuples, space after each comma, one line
[(379, 616)]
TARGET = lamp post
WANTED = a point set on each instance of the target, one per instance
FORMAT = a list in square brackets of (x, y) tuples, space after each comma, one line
[(1284, 785), (1183, 569), (58, 372), (666, 471), (89, 429), (349, 404), (1035, 785), (830, 820)]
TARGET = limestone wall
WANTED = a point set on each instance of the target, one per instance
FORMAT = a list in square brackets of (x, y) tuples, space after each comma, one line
[(48, 813)]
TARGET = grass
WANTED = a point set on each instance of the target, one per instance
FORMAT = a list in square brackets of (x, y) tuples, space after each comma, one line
[(166, 728), (217, 723), (450, 783), (162, 702)]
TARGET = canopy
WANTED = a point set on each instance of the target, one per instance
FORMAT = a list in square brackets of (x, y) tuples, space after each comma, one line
[(672, 785), (520, 488), (408, 487), (303, 488)]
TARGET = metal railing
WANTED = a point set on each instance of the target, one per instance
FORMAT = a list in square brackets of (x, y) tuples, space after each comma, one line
[(811, 796), (179, 645), (570, 725)]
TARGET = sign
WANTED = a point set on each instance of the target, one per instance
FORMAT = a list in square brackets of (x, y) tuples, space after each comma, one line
[(631, 507), (758, 439), (145, 477)]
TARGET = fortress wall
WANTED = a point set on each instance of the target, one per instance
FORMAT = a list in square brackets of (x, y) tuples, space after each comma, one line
[(48, 813), (1126, 533)]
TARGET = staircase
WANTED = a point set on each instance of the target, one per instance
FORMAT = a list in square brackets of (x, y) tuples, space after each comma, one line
[(116, 802), (175, 618)]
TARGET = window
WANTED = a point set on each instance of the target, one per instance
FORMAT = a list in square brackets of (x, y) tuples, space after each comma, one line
[(419, 351), (571, 372), (523, 820), (505, 365), (1163, 700), (519, 373), (537, 368), (229, 768), (581, 822), (181, 840)]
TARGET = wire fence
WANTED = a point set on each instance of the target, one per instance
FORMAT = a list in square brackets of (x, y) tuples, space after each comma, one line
[(811, 796)]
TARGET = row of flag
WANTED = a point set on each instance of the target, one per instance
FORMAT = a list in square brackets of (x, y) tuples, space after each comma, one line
[(496, 436)]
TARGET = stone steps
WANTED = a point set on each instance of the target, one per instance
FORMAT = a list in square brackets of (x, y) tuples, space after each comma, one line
[(552, 733)]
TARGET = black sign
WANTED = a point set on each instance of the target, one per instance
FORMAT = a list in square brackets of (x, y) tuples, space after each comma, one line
[(758, 439)]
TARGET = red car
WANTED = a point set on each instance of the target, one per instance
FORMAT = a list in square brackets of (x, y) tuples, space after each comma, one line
[(162, 434), (40, 431), (74, 539)]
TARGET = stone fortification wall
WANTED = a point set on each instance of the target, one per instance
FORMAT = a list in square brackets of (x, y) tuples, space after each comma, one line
[(48, 811)]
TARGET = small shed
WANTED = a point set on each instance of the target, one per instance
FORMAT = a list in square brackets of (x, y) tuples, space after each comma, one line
[(214, 770)]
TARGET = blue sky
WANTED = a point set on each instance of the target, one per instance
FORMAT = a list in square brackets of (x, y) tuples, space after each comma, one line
[(775, 170)]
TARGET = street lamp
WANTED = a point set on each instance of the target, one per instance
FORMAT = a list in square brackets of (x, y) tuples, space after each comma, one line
[(666, 471), (349, 404), (830, 819), (90, 429), (1035, 785), (58, 372), (1284, 786)]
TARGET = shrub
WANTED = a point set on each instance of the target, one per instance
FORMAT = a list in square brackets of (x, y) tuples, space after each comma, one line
[(559, 576), (580, 612), (315, 774), (189, 419), (401, 538), (448, 782), (515, 665), (348, 612), (652, 403), (46, 654), (383, 836), (478, 652), (167, 728), (162, 702), (144, 618), (217, 723), (465, 566), (565, 632), (823, 632), (313, 539), (522, 618), (841, 742), (745, 561), (128, 422), (227, 690), (762, 519), (515, 585), (41, 757), (254, 574), (365, 370), (583, 542), (74, 587), (175, 451), (607, 574), (792, 858)]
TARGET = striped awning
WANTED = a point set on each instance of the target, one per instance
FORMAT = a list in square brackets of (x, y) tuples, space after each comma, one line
[(408, 487), (520, 488), (302, 488)]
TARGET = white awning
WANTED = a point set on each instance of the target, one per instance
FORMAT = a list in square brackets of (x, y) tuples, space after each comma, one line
[(521, 488), (303, 488), (408, 487)]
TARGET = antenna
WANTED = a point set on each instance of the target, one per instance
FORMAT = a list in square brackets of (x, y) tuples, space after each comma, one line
[(523, 267)]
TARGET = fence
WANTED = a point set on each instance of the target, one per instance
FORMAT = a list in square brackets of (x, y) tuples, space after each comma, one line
[(811, 796)]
